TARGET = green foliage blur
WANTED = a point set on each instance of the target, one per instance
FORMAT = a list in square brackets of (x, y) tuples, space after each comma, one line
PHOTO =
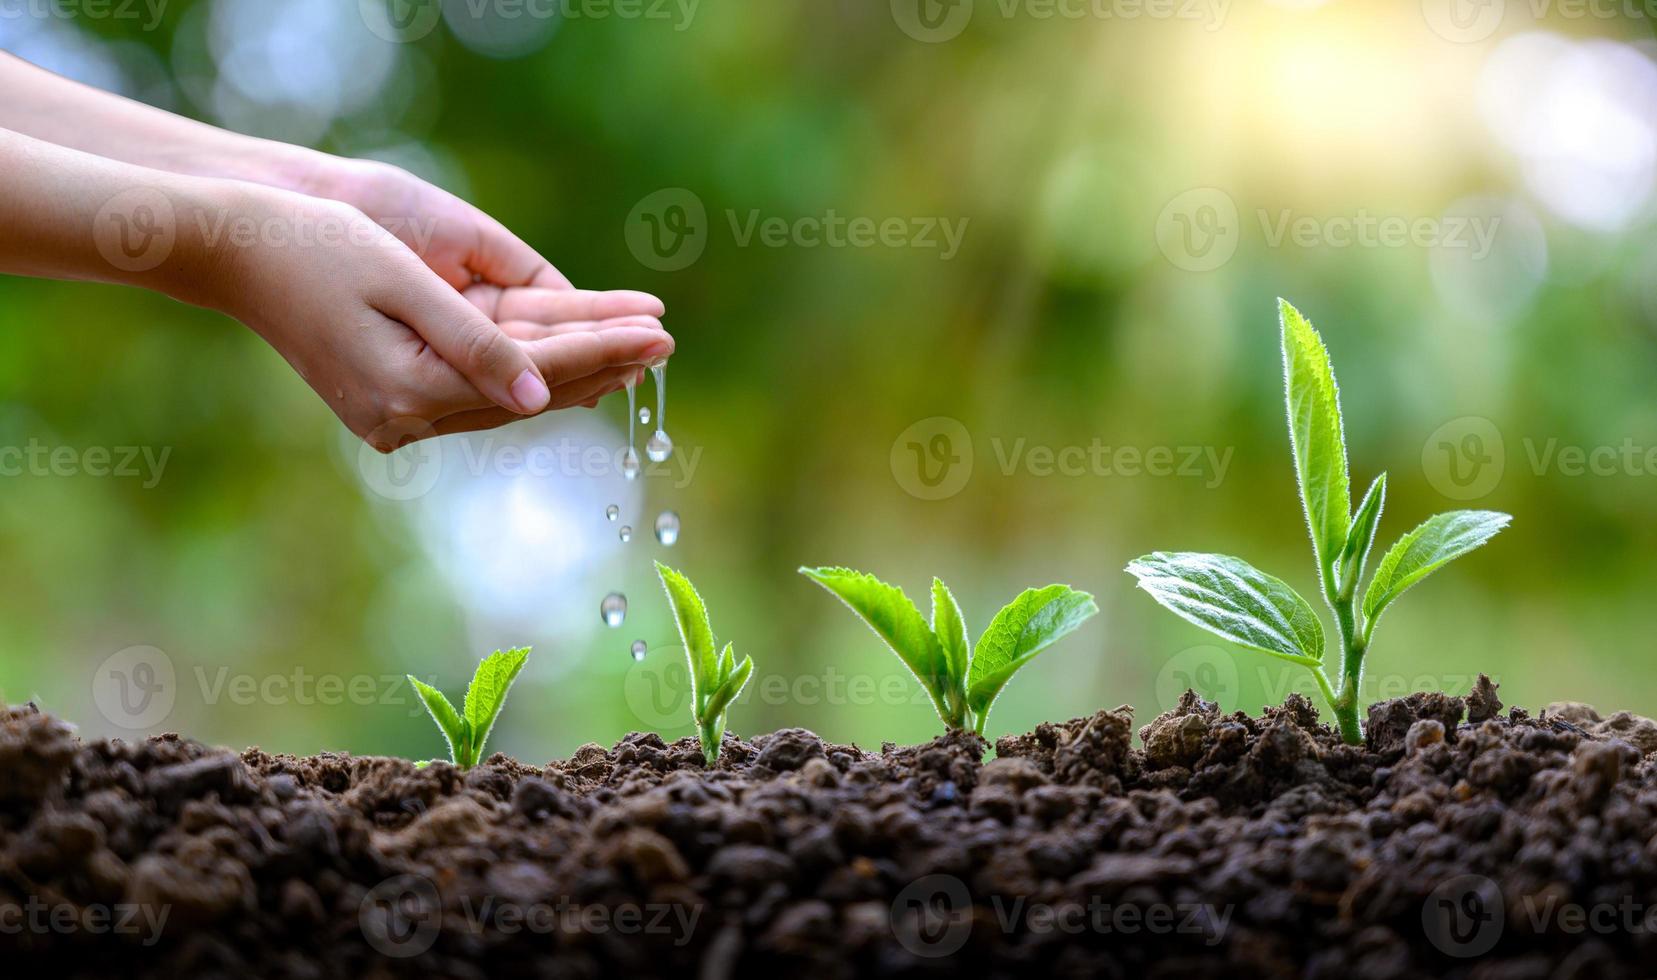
[(1076, 338)]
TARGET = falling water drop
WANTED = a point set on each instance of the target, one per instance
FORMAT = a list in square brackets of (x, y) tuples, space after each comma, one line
[(667, 528), (630, 458), (613, 609), (639, 649), (612, 512), (626, 533), (659, 448), (644, 414)]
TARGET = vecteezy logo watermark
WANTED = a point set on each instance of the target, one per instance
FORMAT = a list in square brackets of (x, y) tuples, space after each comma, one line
[(137, 921), (1206, 669), (668, 231), (149, 12), (1199, 230), (401, 460), (135, 688), (932, 916), (1464, 458), (400, 21), (933, 459), (657, 690), (936, 21), (1463, 916), (401, 916), (136, 230), (1463, 21), (932, 21), (37, 459)]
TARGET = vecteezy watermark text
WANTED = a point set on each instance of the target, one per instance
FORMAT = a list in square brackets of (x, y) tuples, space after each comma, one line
[(933, 459), (147, 12), (402, 916), (37, 459), (936, 21), (413, 471), (668, 230), (142, 922), (1200, 230)]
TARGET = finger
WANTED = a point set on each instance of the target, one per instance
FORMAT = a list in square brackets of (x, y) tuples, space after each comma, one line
[(587, 392), (559, 305), (569, 356), (584, 353), (498, 366), (530, 330)]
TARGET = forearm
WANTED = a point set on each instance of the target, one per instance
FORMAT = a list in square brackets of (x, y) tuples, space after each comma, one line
[(57, 110), (65, 214)]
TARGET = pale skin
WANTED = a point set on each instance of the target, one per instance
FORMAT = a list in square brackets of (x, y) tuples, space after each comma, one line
[(409, 311)]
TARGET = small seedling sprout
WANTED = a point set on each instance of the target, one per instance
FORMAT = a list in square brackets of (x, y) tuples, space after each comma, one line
[(1229, 597), (962, 681), (468, 729), (715, 679)]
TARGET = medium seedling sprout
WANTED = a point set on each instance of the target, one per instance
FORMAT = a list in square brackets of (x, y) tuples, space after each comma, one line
[(715, 679), (963, 681), (468, 729)]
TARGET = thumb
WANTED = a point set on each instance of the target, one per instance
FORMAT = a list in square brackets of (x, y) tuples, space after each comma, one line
[(472, 343)]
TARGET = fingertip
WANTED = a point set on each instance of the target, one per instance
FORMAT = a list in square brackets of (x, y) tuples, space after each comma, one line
[(530, 393)]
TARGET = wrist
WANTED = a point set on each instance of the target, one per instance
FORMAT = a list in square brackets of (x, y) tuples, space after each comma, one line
[(211, 247)]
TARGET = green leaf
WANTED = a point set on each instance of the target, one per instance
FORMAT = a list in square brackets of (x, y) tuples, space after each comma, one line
[(1362, 537), (442, 712), (486, 695), (1318, 440), (1438, 541), (730, 688), (1023, 628), (694, 630), (894, 619), (1235, 600), (951, 630)]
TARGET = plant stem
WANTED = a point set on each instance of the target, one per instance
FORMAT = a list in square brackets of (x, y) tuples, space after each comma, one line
[(709, 732), (1353, 646)]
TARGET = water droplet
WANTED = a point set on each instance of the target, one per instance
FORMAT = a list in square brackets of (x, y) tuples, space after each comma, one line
[(612, 512), (659, 448), (626, 533), (644, 415), (667, 528), (639, 649), (630, 464), (613, 609)]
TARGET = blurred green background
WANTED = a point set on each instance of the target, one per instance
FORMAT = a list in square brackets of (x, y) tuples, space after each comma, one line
[(1462, 205)]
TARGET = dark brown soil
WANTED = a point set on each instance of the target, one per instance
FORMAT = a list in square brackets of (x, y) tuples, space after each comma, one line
[(1459, 842)]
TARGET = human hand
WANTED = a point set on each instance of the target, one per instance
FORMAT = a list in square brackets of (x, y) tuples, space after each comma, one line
[(394, 349)]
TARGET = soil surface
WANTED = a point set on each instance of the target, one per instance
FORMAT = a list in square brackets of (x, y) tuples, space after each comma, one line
[(1459, 841)]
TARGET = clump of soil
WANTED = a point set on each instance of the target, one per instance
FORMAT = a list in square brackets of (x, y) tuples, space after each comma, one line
[(1458, 841)]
